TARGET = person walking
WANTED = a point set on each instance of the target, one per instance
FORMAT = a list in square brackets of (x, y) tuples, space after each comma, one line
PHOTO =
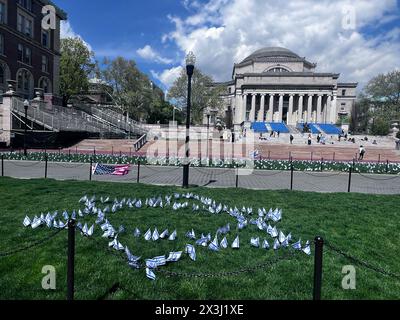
[(309, 139), (362, 153), (291, 139)]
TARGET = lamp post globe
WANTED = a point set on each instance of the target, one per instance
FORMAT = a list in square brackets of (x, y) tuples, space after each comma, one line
[(26, 105), (190, 62)]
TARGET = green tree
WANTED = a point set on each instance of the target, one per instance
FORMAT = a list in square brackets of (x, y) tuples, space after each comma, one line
[(76, 65), (162, 112), (205, 94), (380, 127), (133, 92), (383, 94)]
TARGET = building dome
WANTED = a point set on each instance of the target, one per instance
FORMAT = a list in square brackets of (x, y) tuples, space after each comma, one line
[(271, 52)]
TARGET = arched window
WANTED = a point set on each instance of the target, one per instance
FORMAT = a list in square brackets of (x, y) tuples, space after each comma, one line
[(25, 83), (278, 69), (45, 84), (4, 74)]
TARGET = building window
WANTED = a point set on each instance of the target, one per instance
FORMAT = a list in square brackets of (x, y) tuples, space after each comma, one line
[(25, 82), (27, 4), (45, 64), (25, 25), (3, 12), (343, 92), (278, 69), (24, 54), (1, 44), (2, 75), (45, 38), (44, 83), (28, 56)]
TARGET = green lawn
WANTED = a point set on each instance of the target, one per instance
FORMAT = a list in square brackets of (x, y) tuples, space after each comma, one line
[(365, 226)]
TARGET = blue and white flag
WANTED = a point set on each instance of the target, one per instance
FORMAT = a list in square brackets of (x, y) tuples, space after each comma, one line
[(155, 235), (138, 204), (307, 248), (297, 245), (172, 237), (150, 274), (214, 245), (255, 242), (164, 234), (265, 244), (191, 235), (277, 245), (147, 235), (160, 260), (174, 256), (224, 243), (151, 263), (281, 237), (235, 243), (274, 232), (202, 241), (191, 251), (136, 233)]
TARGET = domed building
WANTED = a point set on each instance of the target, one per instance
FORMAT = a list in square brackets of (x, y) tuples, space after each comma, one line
[(276, 85)]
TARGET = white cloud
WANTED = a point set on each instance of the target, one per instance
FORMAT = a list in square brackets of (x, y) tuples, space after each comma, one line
[(168, 76), (66, 31), (148, 53), (222, 33)]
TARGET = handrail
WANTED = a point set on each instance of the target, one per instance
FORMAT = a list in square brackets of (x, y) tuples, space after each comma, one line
[(140, 142)]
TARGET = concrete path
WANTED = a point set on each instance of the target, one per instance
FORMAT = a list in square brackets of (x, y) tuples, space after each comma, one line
[(214, 177)]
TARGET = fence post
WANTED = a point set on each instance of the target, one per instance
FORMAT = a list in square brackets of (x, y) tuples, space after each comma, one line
[(45, 165), (387, 166), (379, 158), (349, 186), (322, 164), (319, 244), (138, 172), (2, 165), (269, 154), (71, 259), (237, 177), (291, 174), (334, 154), (312, 155), (90, 169), (69, 154)]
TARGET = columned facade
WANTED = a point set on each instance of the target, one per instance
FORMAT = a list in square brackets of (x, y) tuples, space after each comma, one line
[(276, 85)]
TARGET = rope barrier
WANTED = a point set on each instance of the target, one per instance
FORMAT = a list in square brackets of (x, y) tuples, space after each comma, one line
[(361, 262), (211, 171), (267, 175), (35, 244), (378, 179), (25, 166), (323, 175)]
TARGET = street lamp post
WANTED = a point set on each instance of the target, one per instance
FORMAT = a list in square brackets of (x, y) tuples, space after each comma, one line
[(190, 61), (208, 132), (26, 105)]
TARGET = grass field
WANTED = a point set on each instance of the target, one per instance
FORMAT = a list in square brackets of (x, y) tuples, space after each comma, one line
[(365, 226)]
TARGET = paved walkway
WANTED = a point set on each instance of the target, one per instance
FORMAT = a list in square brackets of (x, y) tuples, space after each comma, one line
[(215, 177)]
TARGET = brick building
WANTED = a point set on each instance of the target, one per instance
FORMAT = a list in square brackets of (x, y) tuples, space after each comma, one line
[(29, 54)]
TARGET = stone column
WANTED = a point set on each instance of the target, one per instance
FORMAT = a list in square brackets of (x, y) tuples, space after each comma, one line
[(280, 107), (5, 112), (309, 108), (271, 107), (334, 114), (238, 108), (300, 108), (328, 110), (319, 108), (261, 114), (253, 108), (290, 112), (244, 106)]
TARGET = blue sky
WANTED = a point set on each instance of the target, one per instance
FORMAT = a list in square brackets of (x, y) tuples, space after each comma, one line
[(158, 33)]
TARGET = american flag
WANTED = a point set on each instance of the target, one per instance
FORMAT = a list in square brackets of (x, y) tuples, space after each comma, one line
[(102, 169)]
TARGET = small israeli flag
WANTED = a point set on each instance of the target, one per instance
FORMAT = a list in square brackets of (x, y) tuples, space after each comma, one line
[(191, 234), (265, 244), (121, 229), (147, 235), (174, 256), (281, 237), (285, 243), (85, 229), (164, 234), (274, 232), (297, 245), (150, 274), (89, 233), (255, 242), (224, 243), (65, 215), (191, 251), (214, 245), (235, 243), (277, 245), (155, 235), (136, 233), (151, 263), (27, 222), (307, 248), (172, 237), (138, 204)]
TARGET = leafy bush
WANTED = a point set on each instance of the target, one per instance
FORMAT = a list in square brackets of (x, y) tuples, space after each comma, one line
[(380, 127)]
